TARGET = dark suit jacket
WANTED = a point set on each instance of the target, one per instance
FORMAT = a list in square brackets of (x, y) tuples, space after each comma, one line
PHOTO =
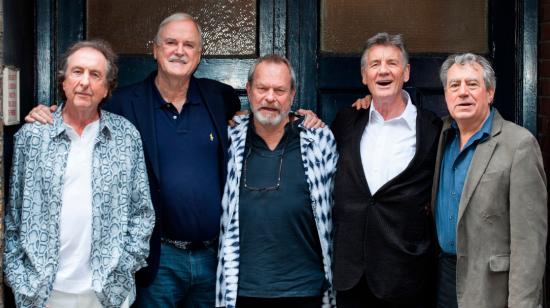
[(387, 237), (135, 103)]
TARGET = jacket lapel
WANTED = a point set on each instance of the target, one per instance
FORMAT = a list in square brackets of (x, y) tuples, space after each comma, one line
[(482, 156), (143, 108), (358, 129), (426, 131)]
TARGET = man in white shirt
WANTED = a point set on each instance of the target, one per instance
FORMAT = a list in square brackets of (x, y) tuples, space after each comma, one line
[(79, 214), (383, 244)]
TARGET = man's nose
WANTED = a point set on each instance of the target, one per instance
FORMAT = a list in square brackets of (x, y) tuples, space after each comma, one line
[(463, 90), (270, 95), (179, 49), (85, 80), (383, 68)]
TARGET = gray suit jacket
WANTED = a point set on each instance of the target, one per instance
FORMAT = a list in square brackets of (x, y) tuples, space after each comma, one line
[(502, 220)]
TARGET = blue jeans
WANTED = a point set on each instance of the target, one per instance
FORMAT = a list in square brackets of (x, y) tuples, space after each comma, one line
[(186, 278)]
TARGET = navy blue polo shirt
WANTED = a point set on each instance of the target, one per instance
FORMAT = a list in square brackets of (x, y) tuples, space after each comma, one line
[(188, 148)]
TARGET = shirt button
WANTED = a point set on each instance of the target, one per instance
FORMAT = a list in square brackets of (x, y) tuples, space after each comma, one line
[(174, 117), (450, 217)]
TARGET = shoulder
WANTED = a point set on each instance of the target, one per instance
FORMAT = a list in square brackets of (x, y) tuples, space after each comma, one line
[(427, 114), (513, 133), (213, 84), (119, 125), (347, 113), (35, 129), (323, 133), (345, 121), (130, 89)]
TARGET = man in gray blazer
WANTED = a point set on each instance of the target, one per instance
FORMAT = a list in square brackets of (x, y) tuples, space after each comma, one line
[(489, 197)]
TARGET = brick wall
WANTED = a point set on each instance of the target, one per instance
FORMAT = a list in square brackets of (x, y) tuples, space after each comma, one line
[(544, 81)]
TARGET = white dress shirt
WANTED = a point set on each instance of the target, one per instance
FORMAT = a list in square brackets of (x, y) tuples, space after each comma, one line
[(387, 147), (74, 273)]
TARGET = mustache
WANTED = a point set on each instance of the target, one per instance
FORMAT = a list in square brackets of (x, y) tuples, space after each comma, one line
[(181, 59), (274, 105)]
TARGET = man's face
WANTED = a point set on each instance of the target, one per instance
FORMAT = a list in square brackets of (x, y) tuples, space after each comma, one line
[(178, 51), (467, 97), (270, 94), (85, 83), (385, 71)]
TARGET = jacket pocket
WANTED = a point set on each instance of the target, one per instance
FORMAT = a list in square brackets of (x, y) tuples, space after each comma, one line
[(499, 263)]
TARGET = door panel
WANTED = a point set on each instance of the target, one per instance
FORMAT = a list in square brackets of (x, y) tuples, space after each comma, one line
[(338, 74)]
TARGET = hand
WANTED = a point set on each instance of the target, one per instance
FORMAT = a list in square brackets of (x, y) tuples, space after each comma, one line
[(239, 113), (362, 103), (310, 119), (42, 114)]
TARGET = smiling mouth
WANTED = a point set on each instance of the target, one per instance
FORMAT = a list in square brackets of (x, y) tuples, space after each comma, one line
[(269, 109), (178, 61), (465, 104), (384, 82)]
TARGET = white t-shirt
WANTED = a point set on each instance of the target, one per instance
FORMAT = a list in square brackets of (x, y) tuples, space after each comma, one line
[(74, 274)]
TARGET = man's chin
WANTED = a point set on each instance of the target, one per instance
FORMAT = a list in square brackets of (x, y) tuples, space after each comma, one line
[(268, 120)]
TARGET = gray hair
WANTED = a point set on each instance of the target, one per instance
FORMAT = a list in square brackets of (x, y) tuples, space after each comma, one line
[(178, 17), (385, 39), (469, 58), (273, 58), (104, 48)]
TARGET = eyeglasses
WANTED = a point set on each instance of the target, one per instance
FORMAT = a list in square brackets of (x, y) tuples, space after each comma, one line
[(270, 188)]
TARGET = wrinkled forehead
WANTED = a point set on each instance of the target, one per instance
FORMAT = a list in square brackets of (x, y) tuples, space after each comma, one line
[(177, 28), (467, 70), (269, 70), (88, 57), (383, 52)]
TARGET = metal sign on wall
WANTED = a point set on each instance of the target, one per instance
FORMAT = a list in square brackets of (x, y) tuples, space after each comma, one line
[(10, 97)]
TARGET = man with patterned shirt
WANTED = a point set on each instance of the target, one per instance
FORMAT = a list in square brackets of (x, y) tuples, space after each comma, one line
[(276, 225), (79, 215)]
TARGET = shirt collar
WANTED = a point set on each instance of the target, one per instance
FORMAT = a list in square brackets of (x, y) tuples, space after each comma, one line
[(193, 94), (483, 133), (59, 127), (408, 116)]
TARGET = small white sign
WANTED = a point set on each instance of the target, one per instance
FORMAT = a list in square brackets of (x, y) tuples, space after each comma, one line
[(10, 99)]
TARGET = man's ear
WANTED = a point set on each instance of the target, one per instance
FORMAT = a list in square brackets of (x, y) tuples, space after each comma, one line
[(407, 72), (364, 76), (490, 95)]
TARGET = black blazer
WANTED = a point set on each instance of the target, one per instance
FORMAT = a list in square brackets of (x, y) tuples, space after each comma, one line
[(135, 103), (387, 237)]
